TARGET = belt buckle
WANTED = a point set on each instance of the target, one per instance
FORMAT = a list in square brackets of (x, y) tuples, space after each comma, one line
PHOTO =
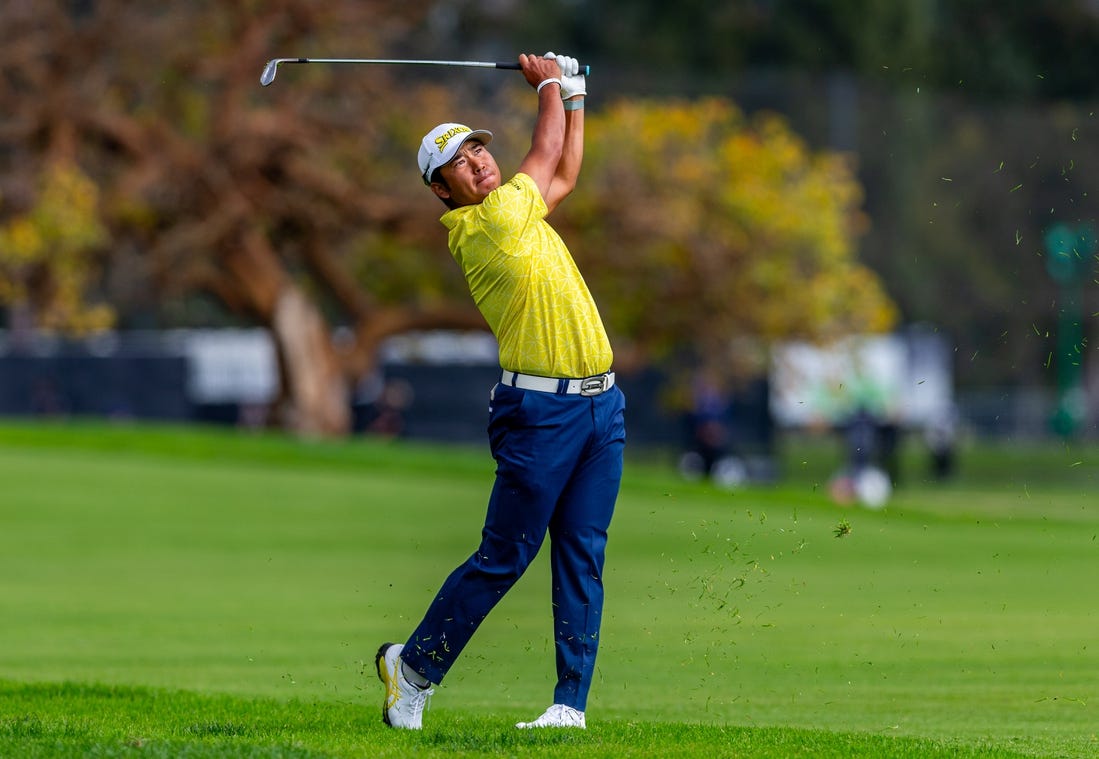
[(594, 385)]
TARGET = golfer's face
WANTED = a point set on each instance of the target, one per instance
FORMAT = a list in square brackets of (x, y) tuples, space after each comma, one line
[(472, 174)]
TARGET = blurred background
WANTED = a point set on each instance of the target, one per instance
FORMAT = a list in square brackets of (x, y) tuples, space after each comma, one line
[(871, 221)]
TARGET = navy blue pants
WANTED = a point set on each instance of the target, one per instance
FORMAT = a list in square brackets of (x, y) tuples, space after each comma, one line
[(558, 468)]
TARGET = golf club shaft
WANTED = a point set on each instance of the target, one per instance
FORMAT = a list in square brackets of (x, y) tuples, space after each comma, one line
[(269, 70)]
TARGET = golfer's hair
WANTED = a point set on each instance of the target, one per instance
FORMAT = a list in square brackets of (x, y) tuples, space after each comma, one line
[(437, 176)]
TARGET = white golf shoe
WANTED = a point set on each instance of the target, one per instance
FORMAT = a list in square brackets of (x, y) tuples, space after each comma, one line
[(404, 702), (557, 715)]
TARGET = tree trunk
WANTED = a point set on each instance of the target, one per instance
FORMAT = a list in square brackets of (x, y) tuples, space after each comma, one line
[(315, 393), (315, 390)]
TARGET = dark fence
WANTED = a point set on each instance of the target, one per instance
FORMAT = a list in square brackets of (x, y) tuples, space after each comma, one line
[(72, 384), (446, 402), (419, 401), (450, 403), (436, 402)]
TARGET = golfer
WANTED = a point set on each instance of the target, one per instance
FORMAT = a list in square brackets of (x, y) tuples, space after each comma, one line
[(555, 426)]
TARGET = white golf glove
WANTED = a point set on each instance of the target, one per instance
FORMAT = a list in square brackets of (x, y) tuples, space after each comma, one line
[(572, 81)]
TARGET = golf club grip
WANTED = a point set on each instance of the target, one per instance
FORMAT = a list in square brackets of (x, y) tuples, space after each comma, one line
[(585, 69)]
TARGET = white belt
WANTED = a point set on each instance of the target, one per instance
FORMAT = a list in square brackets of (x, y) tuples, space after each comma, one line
[(600, 383)]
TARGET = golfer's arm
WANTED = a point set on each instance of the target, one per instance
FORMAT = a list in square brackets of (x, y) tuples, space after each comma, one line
[(572, 156), (547, 141)]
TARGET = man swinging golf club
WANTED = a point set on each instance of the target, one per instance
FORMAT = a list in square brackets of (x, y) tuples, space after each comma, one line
[(556, 426)]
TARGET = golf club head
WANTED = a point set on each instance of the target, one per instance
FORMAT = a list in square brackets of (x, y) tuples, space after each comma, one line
[(268, 74)]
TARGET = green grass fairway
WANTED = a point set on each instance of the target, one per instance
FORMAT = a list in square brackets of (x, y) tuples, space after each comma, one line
[(207, 593)]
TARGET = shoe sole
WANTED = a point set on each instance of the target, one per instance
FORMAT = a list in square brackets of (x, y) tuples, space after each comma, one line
[(379, 660)]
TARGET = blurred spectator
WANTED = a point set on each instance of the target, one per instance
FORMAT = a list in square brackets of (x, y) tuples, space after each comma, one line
[(387, 411), (46, 398), (888, 433), (707, 428), (860, 433), (871, 450), (940, 435)]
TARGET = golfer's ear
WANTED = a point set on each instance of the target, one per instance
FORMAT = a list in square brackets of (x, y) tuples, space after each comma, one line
[(441, 190)]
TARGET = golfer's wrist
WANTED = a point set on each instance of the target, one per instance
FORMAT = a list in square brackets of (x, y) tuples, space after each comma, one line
[(574, 103), (544, 82)]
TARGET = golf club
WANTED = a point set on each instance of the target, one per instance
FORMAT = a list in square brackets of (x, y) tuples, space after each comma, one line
[(269, 70)]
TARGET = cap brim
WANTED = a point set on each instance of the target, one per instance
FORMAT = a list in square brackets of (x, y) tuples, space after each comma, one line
[(482, 134)]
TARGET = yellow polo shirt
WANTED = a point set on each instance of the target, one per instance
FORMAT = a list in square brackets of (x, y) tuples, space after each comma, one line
[(526, 284)]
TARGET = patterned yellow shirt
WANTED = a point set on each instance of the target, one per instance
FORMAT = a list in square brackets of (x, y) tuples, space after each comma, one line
[(526, 284)]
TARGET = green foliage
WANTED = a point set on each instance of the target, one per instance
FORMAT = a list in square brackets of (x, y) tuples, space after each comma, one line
[(867, 35), (998, 49), (396, 270), (210, 593), (969, 195)]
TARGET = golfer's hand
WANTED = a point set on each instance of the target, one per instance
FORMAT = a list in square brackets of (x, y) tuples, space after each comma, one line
[(537, 69), (573, 83)]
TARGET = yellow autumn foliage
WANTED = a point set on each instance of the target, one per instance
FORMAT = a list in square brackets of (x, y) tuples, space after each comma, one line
[(47, 253), (697, 226)]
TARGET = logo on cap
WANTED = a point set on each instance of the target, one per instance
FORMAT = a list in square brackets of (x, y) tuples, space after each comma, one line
[(444, 138)]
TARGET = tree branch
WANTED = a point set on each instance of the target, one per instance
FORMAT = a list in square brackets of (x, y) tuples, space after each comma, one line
[(394, 320)]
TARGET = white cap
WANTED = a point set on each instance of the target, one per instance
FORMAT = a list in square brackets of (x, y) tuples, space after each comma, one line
[(439, 146)]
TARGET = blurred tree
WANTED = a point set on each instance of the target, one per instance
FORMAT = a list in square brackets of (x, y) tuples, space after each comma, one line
[(205, 186), (704, 231), (47, 255), (973, 122), (993, 48), (958, 230), (297, 206)]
